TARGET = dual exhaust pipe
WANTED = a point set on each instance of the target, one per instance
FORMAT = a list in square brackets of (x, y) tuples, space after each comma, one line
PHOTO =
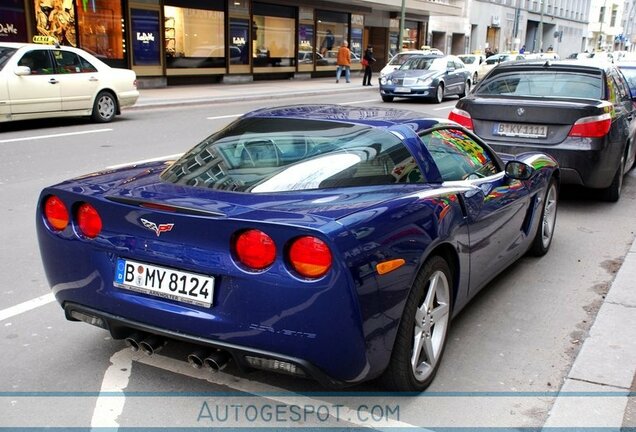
[(151, 344), (148, 344), (213, 360)]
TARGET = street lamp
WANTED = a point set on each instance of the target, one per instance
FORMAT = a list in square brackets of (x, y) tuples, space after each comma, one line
[(402, 14)]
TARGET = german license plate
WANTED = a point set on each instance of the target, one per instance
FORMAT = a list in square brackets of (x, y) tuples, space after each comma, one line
[(520, 130), (402, 90), (185, 287)]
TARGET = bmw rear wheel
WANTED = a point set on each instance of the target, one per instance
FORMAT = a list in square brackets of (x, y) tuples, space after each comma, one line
[(104, 108), (423, 330), (439, 93), (545, 230)]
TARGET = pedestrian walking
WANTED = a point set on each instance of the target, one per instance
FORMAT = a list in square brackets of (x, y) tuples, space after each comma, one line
[(367, 61), (344, 62)]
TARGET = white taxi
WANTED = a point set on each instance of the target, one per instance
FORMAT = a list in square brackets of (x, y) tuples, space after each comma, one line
[(39, 81)]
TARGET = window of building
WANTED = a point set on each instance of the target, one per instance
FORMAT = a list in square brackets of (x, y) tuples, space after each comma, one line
[(331, 30), (614, 14), (195, 37), (100, 28), (56, 18), (410, 36), (273, 30)]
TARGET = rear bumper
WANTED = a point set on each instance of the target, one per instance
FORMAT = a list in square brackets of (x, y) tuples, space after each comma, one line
[(120, 328), (586, 162)]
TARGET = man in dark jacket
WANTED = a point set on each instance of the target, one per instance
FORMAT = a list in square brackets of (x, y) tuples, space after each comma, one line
[(367, 61)]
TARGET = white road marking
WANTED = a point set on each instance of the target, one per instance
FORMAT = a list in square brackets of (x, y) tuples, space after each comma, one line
[(55, 135), (443, 108), (168, 157), (276, 394), (109, 408), (26, 306), (225, 116)]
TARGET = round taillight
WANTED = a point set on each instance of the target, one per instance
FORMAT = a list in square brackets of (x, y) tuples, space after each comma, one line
[(88, 220), (255, 249), (56, 213), (310, 257)]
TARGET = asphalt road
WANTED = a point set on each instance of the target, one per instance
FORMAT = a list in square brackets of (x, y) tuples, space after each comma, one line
[(508, 353)]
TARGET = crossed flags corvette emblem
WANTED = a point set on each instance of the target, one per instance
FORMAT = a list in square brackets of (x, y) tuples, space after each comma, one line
[(158, 229)]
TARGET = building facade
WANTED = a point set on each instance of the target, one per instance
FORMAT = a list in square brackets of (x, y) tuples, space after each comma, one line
[(174, 41), (535, 25)]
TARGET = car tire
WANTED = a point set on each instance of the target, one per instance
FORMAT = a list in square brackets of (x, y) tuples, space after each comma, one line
[(547, 221), (439, 93), (613, 192), (387, 98), (466, 89), (423, 330), (475, 78), (104, 107)]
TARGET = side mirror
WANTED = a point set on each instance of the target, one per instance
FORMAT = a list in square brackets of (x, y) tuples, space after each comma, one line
[(518, 170), (22, 70)]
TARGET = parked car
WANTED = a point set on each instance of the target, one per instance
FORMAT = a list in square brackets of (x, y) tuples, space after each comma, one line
[(493, 61), (38, 81), (628, 68), (578, 112), (472, 62), (427, 77), (400, 58), (550, 55), (317, 241)]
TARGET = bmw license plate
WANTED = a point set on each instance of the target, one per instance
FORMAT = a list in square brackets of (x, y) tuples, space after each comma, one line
[(185, 287), (520, 130), (402, 90)]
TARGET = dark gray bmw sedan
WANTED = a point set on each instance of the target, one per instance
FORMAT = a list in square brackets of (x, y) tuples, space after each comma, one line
[(579, 113)]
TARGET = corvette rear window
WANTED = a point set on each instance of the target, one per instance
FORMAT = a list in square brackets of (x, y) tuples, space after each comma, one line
[(543, 84), (274, 154)]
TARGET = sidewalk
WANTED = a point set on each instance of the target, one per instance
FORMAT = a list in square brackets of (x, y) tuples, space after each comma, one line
[(597, 392), (256, 90)]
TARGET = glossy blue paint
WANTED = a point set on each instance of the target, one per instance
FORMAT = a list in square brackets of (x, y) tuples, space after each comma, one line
[(342, 324)]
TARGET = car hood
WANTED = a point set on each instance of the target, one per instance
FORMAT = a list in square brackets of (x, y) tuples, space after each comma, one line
[(141, 184), (413, 73)]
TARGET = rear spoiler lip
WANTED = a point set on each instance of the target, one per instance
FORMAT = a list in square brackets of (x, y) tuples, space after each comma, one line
[(169, 208)]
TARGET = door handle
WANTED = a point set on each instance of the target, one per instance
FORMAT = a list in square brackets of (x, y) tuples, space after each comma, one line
[(53, 81), (93, 79)]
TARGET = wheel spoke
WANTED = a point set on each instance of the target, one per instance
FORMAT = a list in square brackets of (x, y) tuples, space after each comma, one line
[(432, 290), (420, 315), (429, 351), (440, 313), (418, 342)]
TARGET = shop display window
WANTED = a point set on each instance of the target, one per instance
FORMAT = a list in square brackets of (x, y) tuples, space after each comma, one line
[(273, 30), (194, 38), (12, 21), (332, 28), (100, 28)]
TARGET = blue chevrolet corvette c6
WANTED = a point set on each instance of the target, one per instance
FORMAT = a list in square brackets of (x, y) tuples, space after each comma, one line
[(319, 241)]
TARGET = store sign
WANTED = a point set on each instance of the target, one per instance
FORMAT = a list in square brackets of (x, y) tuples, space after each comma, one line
[(12, 21), (146, 45)]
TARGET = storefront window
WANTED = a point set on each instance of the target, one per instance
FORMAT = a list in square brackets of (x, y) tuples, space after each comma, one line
[(56, 18), (273, 30), (357, 27), (239, 41), (194, 38), (100, 28), (332, 29), (394, 31), (12, 21), (409, 37)]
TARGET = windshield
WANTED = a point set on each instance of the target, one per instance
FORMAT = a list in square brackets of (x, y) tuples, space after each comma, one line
[(399, 59), (630, 76), (276, 155), (544, 84), (424, 63), (5, 55), (467, 59)]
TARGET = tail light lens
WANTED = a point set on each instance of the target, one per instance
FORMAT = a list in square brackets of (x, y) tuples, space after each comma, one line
[(255, 249), (56, 213), (310, 257), (592, 127), (88, 220), (462, 117)]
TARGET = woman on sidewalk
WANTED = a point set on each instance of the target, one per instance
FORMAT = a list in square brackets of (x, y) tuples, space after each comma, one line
[(367, 61), (344, 62)]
